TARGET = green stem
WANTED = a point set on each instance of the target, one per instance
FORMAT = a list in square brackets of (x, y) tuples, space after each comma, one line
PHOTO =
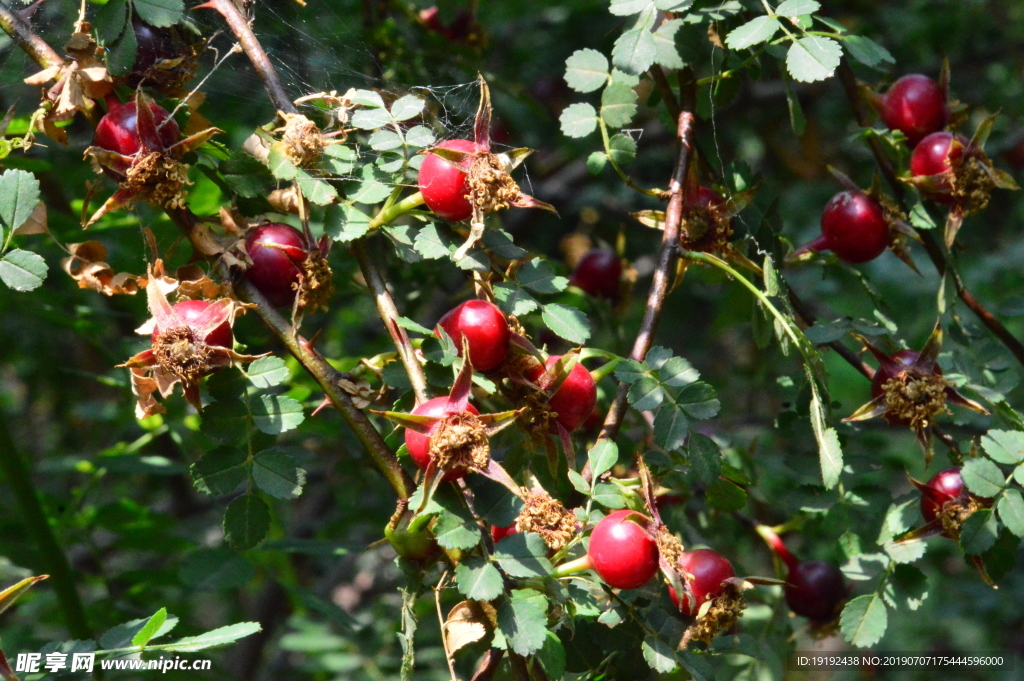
[(392, 212), (572, 567), (38, 526), (618, 169)]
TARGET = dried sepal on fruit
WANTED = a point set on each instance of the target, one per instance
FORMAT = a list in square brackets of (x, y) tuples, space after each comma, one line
[(489, 185), (139, 145), (548, 517), (79, 82), (190, 339), (909, 390), (86, 264)]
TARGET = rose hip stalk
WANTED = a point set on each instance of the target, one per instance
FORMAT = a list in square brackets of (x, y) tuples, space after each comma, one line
[(190, 340), (909, 390), (287, 268), (140, 146), (460, 179)]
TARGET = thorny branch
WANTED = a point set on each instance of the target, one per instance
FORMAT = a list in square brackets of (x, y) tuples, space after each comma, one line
[(931, 246), (34, 46)]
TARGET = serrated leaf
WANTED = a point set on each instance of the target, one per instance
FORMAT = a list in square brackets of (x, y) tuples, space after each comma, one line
[(1011, 511), (634, 51), (602, 457), (220, 471), (579, 483), (420, 137), (609, 495), (830, 453), (19, 194), (318, 192), (514, 300), (339, 159), (670, 427), (1004, 446), (246, 522), (567, 322), (666, 53), (522, 620), (344, 223), (631, 371), (276, 414), (622, 148), (625, 8), (523, 554), (645, 394), (276, 473), (280, 164), (266, 372), (160, 13), (578, 120), (867, 51), (586, 70), (409, 106), (813, 58), (725, 495), (796, 8), (213, 639), (983, 477), (755, 31), (864, 620), (110, 20), (979, 532), (152, 626), (123, 634), (478, 579), (122, 54), (677, 372), (368, 98), (371, 119), (538, 276), (699, 401), (660, 656), (385, 140), (618, 105), (22, 270), (452, 531), (705, 458)]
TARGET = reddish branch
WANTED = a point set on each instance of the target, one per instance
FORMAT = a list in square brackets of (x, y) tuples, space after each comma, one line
[(931, 246), (667, 258), (21, 33)]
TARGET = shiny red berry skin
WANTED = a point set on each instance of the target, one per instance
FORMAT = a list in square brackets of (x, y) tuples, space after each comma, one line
[(916, 106), (118, 130), (621, 552), (418, 444), (709, 569), (445, 188), (575, 398), (485, 329), (936, 154), (815, 588), (945, 486), (499, 533), (854, 227), (598, 274), (277, 252), (191, 310)]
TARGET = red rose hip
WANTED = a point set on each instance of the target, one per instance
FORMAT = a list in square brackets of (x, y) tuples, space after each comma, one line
[(575, 398), (915, 105), (815, 588), (710, 570), (277, 252), (499, 533), (118, 130), (483, 327), (445, 188), (944, 487), (853, 227), (598, 274), (621, 552), (418, 444)]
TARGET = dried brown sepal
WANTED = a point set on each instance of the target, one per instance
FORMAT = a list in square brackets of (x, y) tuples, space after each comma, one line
[(955, 513), (717, 615), (87, 265), (303, 142), (669, 546), (315, 286), (460, 440), (549, 518)]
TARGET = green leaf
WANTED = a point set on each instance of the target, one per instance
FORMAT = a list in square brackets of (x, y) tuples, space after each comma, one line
[(23, 270), (409, 106), (578, 120), (830, 453), (266, 372), (631, 371), (670, 427), (665, 51), (523, 554), (725, 495), (456, 532), (514, 300), (705, 458), (646, 394), (522, 619), (699, 401), (603, 457), (385, 140), (246, 176), (345, 222), (609, 495), (1004, 446), (634, 51), (110, 20), (867, 51), (276, 414), (622, 148), (280, 164), (796, 8), (477, 579), (226, 421), (755, 31), (246, 521), (677, 372), (624, 8), (659, 655), (420, 137), (813, 58), (586, 70), (500, 242), (277, 474), (220, 471), (1011, 511), (318, 192), (538, 275), (368, 98), (983, 477), (161, 13), (493, 502), (552, 656), (123, 635), (979, 532), (618, 104), (371, 119), (213, 639), (431, 244), (215, 569), (19, 195), (152, 626), (568, 322), (596, 162), (864, 620)]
